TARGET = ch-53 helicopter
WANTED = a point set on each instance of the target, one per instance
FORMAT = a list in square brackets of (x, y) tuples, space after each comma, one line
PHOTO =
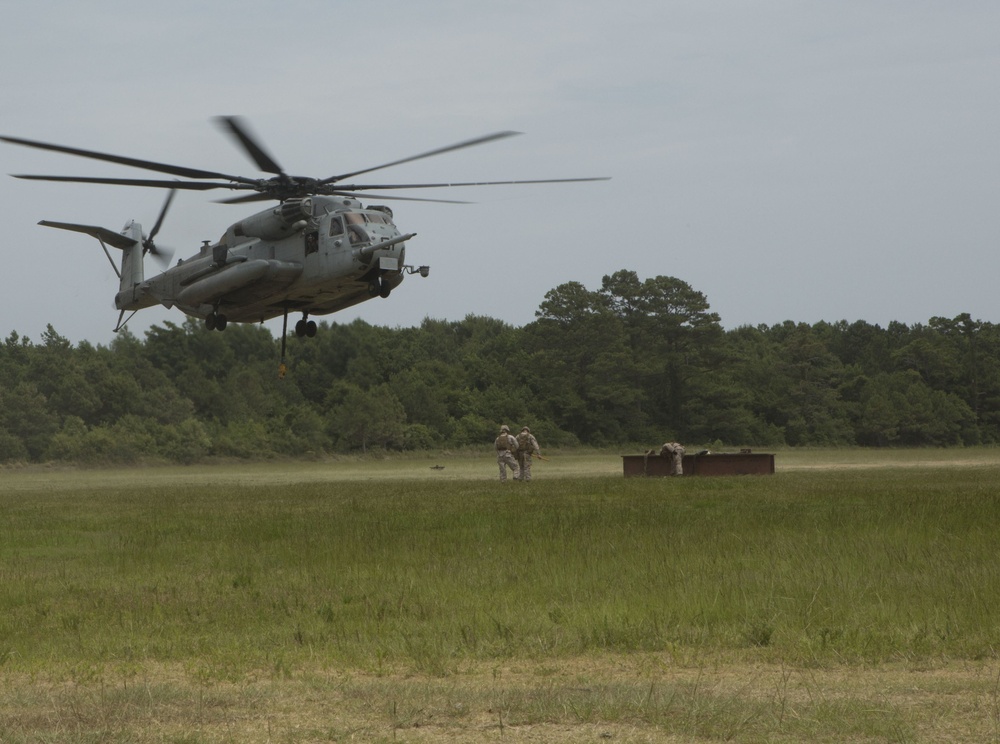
[(319, 251)]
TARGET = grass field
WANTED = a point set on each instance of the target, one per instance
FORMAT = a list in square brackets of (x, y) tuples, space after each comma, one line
[(852, 596)]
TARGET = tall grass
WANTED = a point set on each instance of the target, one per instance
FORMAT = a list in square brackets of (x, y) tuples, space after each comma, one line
[(803, 567)]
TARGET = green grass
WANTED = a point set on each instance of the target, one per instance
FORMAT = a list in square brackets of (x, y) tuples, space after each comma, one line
[(811, 566), (853, 596)]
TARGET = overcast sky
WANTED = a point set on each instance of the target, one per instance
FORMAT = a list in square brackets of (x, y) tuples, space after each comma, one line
[(797, 161)]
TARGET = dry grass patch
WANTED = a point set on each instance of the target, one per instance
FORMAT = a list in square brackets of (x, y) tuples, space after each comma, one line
[(622, 698)]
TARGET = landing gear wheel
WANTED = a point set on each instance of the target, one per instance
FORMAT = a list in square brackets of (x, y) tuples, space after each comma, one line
[(305, 328), (374, 288), (216, 322), (384, 289)]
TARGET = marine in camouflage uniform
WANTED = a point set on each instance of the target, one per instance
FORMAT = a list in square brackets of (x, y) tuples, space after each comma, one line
[(674, 451), (527, 446), (506, 447)]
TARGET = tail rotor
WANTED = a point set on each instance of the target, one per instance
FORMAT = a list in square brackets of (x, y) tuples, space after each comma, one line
[(162, 255)]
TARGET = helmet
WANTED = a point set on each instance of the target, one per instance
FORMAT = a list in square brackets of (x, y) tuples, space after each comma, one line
[(504, 428), (526, 429)]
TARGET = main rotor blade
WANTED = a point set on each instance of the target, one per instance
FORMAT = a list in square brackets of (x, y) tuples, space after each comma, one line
[(174, 170), (439, 151), (383, 197), (187, 185), (337, 192), (371, 186), (234, 126), (247, 199)]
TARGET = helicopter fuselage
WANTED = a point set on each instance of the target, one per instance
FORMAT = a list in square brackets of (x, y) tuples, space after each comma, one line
[(316, 255)]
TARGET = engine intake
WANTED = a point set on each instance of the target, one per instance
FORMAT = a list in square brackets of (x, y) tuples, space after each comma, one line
[(287, 218)]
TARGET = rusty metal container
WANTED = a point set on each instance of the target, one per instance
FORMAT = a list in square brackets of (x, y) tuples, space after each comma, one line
[(736, 463)]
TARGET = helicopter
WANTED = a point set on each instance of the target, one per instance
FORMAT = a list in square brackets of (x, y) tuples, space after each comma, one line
[(318, 251)]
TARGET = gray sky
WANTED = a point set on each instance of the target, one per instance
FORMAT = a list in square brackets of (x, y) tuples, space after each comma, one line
[(797, 161)]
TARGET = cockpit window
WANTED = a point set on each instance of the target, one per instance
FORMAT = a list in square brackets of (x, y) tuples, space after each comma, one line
[(357, 235), (384, 213), (336, 226), (376, 217)]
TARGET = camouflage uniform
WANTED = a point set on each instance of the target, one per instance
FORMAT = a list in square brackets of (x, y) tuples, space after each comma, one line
[(506, 446), (527, 446), (675, 451)]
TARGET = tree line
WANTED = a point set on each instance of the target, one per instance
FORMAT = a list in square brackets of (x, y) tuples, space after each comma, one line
[(634, 362)]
